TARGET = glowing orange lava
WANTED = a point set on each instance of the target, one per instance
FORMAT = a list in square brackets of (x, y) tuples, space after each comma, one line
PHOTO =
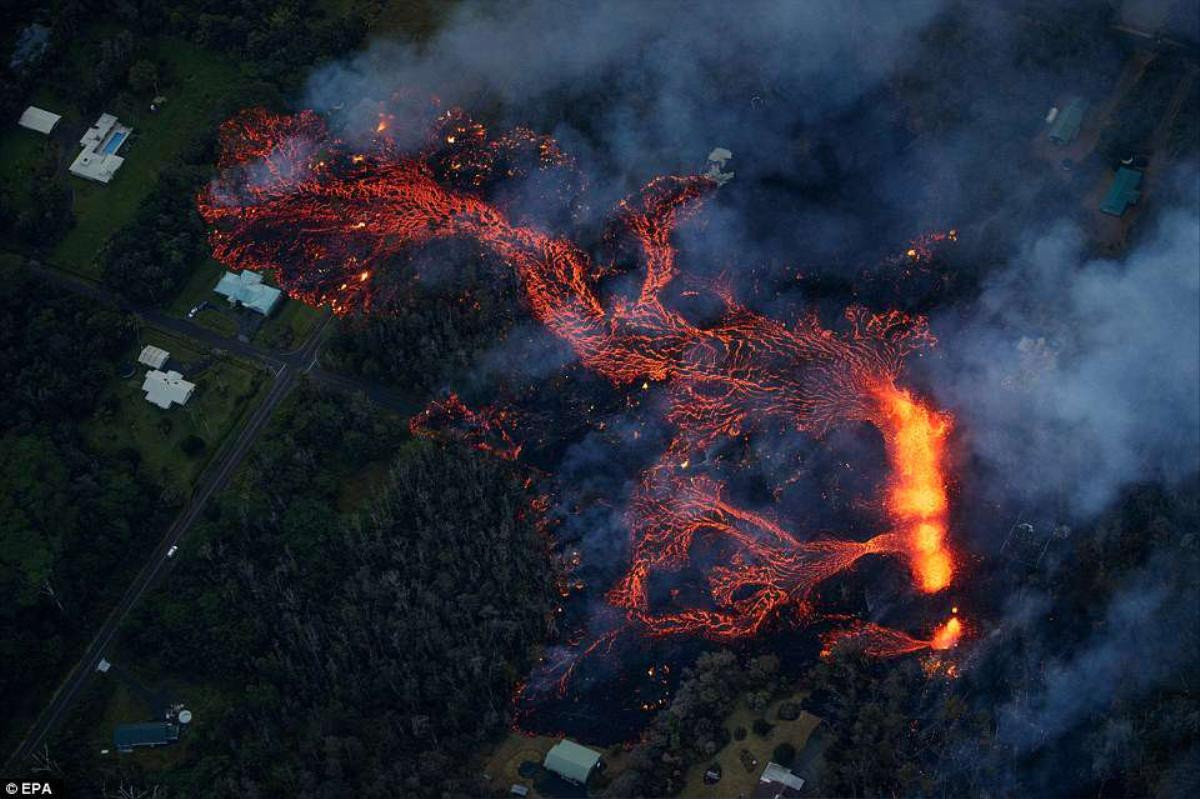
[(871, 639), (327, 221)]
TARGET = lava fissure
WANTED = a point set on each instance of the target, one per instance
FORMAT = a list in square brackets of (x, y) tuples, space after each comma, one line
[(294, 200)]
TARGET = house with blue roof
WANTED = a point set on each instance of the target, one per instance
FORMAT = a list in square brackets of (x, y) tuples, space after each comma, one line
[(127, 737), (1123, 192), (247, 289)]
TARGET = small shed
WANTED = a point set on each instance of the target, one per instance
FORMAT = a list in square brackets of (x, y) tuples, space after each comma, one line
[(154, 357), (1123, 192), (38, 119), (519, 790), (1066, 125), (127, 737), (571, 761)]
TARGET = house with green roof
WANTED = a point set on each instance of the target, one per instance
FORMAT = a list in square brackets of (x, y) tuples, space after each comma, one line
[(1066, 125), (1123, 192), (247, 289), (571, 761), (127, 737)]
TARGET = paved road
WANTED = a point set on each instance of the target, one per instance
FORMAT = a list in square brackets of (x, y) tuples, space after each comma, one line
[(287, 369), (300, 360)]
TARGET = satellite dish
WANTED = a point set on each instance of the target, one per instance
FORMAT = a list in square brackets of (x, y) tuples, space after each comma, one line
[(185, 716)]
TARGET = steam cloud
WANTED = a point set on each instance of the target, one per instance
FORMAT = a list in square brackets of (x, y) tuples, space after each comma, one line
[(1079, 375)]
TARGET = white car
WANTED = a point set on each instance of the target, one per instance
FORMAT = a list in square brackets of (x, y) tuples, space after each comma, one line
[(171, 552)]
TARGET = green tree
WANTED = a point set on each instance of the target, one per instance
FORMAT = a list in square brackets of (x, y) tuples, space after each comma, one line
[(143, 77)]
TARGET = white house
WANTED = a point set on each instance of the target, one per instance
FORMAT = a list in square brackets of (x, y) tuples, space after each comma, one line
[(777, 782), (246, 288), (38, 119), (154, 357), (98, 160), (166, 388), (571, 761)]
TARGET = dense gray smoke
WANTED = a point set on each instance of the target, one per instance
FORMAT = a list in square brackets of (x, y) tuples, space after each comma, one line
[(645, 88), (1077, 375)]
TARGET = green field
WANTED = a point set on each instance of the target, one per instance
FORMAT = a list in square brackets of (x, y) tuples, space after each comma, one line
[(126, 420), (196, 84), (288, 326), (20, 152)]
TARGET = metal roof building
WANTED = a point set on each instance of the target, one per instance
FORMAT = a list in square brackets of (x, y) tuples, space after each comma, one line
[(127, 737), (571, 761), (1123, 192), (154, 357), (38, 119), (166, 388), (777, 782), (246, 288), (1067, 124)]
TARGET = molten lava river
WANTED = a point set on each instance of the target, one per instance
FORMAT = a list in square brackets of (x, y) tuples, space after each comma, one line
[(328, 219)]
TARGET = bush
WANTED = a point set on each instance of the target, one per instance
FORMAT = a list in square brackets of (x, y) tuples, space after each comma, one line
[(784, 754), (192, 445), (761, 728), (739, 733)]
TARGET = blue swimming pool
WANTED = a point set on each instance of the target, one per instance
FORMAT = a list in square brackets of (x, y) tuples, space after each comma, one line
[(113, 143)]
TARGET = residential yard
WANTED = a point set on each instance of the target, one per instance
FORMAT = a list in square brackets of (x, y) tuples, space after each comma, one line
[(199, 286), (288, 326), (501, 766), (20, 152), (110, 701), (196, 83), (502, 763), (125, 421), (285, 329), (736, 780)]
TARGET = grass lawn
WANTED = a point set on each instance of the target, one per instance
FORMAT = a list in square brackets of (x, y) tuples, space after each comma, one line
[(196, 83), (20, 152), (735, 779), (125, 420), (502, 764), (199, 286), (284, 330), (288, 326), (109, 700)]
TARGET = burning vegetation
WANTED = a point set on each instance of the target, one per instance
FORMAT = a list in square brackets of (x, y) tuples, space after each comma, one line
[(328, 220)]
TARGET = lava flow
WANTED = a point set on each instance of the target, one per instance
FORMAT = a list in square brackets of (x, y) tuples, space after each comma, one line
[(326, 219), (878, 641)]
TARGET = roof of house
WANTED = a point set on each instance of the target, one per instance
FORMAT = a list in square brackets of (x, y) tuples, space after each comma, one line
[(1067, 123), (38, 119), (1123, 192), (247, 288), (99, 129), (776, 782), (164, 388), (98, 160), (153, 357), (146, 733), (571, 761)]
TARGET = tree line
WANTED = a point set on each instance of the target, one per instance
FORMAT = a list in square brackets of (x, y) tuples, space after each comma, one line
[(68, 515), (364, 604)]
